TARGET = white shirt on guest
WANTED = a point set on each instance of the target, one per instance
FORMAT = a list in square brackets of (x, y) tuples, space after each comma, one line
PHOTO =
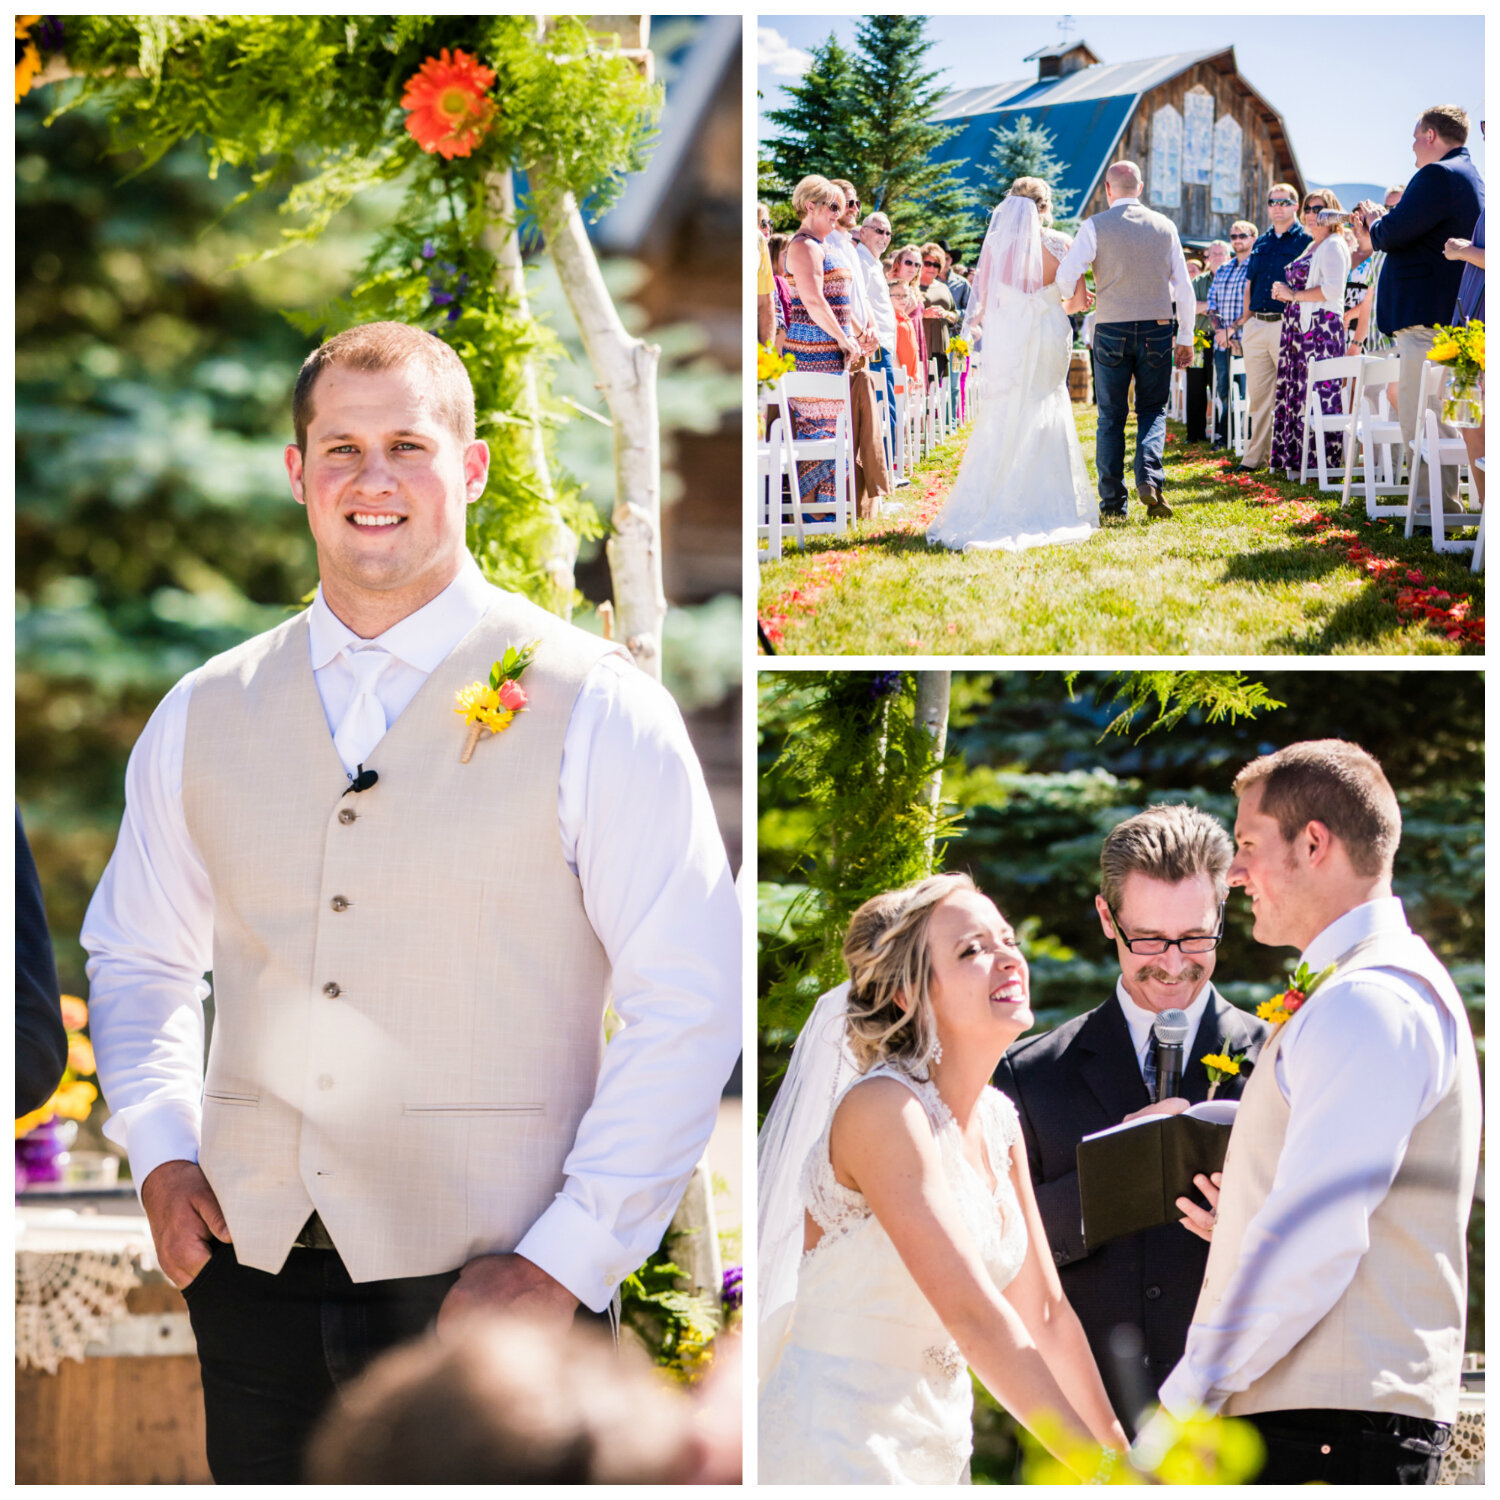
[(1141, 1021), (1328, 267), (1086, 247), (877, 297), (634, 823), (846, 254), (1359, 1070)]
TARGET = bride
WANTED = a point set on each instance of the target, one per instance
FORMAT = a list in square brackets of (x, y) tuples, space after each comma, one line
[(900, 1241), (1023, 482)]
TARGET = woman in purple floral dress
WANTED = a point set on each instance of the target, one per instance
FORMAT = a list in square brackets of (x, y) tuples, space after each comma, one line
[(1312, 328)]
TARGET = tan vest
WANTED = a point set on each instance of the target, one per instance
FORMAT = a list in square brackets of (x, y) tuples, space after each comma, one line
[(409, 996), (1394, 1341), (1134, 252)]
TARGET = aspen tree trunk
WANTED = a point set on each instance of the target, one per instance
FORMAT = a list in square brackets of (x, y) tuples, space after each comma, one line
[(626, 367), (932, 713), (502, 241)]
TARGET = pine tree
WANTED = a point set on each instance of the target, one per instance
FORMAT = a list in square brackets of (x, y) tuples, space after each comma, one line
[(924, 198), (819, 131), (1025, 150)]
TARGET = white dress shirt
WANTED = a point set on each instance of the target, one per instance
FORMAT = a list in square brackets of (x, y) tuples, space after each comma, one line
[(1081, 257), (1359, 1070), (846, 254), (636, 826), (1141, 1021), (877, 296)]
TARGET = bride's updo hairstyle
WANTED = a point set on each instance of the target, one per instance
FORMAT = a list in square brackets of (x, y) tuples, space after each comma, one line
[(887, 954), (1039, 193)]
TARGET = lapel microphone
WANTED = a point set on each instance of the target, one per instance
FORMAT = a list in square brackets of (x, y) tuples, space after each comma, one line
[(1168, 1034), (363, 781)]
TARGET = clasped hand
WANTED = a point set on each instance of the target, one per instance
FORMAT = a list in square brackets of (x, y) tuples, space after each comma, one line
[(508, 1284)]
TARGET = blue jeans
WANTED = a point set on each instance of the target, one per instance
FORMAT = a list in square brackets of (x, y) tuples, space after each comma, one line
[(880, 362), (1144, 351), (1221, 395)]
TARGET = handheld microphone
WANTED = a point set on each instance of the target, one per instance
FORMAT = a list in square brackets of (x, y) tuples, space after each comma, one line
[(1168, 1035), (363, 781)]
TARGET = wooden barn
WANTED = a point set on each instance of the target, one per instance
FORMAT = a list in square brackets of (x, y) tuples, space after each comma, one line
[(1208, 143)]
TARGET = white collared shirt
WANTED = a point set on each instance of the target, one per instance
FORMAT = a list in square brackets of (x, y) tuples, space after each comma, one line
[(1359, 1070), (845, 253), (1141, 1021), (636, 826), (877, 296), (1081, 256)]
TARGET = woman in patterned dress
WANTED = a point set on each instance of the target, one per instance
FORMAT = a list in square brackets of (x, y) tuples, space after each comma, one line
[(817, 333), (1314, 287)]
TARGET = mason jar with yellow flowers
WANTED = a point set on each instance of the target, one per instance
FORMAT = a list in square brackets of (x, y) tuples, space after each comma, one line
[(1462, 350)]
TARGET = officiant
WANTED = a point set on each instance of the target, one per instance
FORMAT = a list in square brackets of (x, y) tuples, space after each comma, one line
[(1163, 883), (408, 1113)]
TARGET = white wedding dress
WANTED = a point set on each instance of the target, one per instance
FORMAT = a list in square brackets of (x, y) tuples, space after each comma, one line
[(866, 1386), (1023, 482)]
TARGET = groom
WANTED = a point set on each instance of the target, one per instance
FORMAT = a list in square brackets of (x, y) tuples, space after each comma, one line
[(1333, 1306), (409, 1111), (1141, 282)]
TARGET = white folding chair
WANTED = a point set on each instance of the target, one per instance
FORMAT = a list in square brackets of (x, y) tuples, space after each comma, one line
[(1380, 449), (838, 449), (1239, 405), (1477, 565), (770, 471), (937, 405), (1177, 396), (1430, 448), (883, 418), (1318, 425), (905, 441)]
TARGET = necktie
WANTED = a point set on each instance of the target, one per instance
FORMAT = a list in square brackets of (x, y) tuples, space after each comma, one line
[(1148, 1067), (363, 724)]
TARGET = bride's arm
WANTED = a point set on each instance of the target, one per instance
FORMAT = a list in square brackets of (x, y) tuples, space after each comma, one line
[(1043, 1306), (882, 1145)]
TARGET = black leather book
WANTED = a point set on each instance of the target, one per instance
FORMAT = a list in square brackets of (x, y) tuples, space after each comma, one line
[(1130, 1177)]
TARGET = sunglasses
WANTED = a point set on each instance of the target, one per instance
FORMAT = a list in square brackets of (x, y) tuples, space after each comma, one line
[(1239, 237), (1281, 202), (910, 262), (936, 265), (1314, 208), (885, 234)]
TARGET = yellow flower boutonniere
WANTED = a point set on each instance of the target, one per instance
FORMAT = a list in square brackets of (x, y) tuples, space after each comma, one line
[(1221, 1065), (491, 706), (1280, 1009)]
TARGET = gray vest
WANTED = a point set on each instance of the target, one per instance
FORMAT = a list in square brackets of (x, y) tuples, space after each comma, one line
[(1133, 265)]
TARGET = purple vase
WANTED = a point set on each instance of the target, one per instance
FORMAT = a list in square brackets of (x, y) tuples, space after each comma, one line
[(42, 1153)]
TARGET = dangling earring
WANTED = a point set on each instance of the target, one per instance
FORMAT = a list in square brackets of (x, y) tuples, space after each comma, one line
[(936, 1055)]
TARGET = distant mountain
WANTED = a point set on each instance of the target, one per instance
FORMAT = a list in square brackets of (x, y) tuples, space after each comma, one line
[(1351, 193)]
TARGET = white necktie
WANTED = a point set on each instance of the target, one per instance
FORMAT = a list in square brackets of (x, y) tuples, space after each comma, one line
[(363, 724)]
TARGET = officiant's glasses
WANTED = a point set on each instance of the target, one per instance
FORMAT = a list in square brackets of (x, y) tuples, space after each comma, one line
[(1151, 946)]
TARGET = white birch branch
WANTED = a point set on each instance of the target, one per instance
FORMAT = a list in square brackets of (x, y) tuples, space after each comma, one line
[(932, 714)]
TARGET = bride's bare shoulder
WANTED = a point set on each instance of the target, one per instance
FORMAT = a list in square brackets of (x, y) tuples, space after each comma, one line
[(876, 1102)]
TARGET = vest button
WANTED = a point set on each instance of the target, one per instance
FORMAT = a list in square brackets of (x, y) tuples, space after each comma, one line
[(347, 815), (1326, 1448), (324, 1081), (331, 990), (339, 903), (1152, 1293)]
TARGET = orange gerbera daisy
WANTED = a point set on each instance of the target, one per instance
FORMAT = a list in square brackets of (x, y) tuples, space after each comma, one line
[(448, 111)]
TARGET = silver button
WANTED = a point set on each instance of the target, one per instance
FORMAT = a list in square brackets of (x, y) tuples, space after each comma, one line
[(331, 990), (324, 1082), (340, 903)]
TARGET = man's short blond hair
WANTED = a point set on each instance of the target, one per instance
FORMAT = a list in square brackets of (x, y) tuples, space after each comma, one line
[(1449, 121), (1170, 842), (1337, 784), (1244, 224), (375, 347)]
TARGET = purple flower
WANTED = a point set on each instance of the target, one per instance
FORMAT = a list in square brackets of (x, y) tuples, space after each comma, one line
[(883, 684), (428, 249), (734, 1291), (453, 313), (440, 298)]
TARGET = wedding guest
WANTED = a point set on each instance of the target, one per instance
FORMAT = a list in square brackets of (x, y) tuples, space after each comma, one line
[(1199, 372), (765, 286), (1313, 291), (509, 1402), (1226, 313), (1470, 308), (1359, 299), (1333, 1306), (1262, 315), (41, 1039), (958, 285), (874, 236), (906, 263), (939, 315), (845, 251), (782, 302), (818, 336), (763, 219), (408, 1112), (1163, 883), (1418, 284), (1393, 195)]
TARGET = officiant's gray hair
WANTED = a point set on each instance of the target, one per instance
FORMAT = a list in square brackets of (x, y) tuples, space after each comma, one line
[(1170, 842), (1337, 784), (888, 956)]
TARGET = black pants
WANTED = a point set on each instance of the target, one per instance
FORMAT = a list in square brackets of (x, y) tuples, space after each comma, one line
[(275, 1348), (1349, 1447), (1197, 400)]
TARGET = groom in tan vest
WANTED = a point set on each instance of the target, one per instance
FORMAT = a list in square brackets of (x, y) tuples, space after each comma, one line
[(1333, 1305), (408, 1112)]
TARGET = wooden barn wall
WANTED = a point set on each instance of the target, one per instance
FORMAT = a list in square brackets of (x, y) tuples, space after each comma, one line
[(1259, 164)]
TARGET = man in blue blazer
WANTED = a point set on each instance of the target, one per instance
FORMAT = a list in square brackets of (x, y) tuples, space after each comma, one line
[(1417, 285), (1163, 878)]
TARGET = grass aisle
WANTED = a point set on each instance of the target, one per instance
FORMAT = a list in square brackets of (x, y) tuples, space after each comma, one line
[(1245, 566)]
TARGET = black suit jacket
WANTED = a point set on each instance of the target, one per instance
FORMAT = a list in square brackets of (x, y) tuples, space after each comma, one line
[(41, 1042), (1066, 1084), (1417, 286)]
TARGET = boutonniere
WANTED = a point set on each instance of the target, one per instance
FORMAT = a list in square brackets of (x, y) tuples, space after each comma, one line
[(1222, 1065), (492, 705), (1280, 1009)]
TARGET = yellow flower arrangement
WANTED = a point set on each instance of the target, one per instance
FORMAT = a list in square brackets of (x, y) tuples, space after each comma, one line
[(1462, 349), (958, 348), (771, 366), (492, 707), (73, 1098), (28, 59)]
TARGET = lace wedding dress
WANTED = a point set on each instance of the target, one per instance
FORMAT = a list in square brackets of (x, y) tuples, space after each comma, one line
[(1023, 482), (867, 1387)]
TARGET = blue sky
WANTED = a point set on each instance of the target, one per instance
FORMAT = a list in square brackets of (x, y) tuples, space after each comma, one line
[(1349, 88)]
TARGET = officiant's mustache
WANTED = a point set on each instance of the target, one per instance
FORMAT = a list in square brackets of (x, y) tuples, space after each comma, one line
[(1192, 973)]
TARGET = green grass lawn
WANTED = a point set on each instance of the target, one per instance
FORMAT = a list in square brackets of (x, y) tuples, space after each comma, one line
[(1273, 568)]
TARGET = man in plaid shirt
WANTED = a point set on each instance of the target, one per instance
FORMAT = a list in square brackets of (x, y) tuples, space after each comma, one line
[(1226, 312)]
